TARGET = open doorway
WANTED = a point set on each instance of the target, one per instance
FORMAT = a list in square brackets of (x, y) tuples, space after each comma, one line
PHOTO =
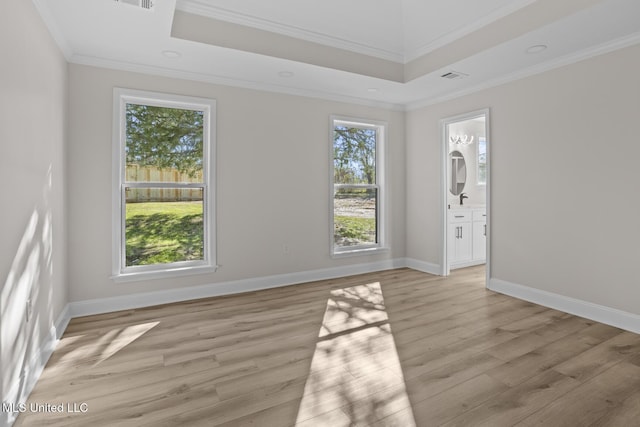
[(465, 191)]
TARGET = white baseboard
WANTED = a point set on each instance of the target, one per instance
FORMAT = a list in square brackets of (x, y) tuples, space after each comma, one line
[(467, 264), (19, 391), (425, 267), (147, 299), (599, 313)]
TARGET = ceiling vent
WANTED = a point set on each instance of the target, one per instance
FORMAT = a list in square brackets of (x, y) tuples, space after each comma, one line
[(142, 4), (452, 75)]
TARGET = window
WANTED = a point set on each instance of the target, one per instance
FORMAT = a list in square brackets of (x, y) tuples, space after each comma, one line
[(357, 181), (163, 199), (482, 161)]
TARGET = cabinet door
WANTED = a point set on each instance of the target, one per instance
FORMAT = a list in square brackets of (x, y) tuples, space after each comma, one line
[(464, 242), (452, 241), (459, 247), (479, 240)]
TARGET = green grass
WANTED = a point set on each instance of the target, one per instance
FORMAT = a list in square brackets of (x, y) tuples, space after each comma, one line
[(362, 229), (164, 232)]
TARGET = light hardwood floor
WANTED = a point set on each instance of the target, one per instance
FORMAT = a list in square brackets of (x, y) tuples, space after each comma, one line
[(395, 348)]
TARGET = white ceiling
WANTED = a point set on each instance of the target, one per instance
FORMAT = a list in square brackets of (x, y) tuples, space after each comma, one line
[(398, 30), (486, 40)]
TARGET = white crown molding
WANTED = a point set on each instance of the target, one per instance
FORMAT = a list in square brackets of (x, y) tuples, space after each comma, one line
[(52, 26), (594, 51), (461, 32), (572, 58), (601, 49), (127, 302), (227, 81), (204, 9), (599, 313)]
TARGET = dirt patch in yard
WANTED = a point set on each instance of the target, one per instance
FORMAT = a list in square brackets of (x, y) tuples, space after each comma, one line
[(355, 207)]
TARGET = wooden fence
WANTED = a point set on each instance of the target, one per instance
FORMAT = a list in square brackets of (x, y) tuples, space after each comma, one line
[(136, 173)]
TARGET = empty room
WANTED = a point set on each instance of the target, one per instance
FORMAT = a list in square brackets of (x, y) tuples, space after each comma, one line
[(302, 213)]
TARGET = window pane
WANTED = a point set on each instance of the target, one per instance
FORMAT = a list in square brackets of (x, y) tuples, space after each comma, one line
[(139, 173), (164, 225), (355, 216), (163, 144), (482, 160), (354, 155)]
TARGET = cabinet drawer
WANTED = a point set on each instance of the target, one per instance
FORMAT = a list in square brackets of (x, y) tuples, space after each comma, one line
[(480, 215), (459, 216)]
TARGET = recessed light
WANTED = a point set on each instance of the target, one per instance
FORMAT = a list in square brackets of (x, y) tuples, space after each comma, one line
[(171, 54), (372, 89), (537, 48), (286, 74)]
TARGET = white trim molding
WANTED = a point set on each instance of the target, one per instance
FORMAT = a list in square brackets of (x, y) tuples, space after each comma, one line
[(203, 8), (572, 58), (424, 266), (173, 73), (452, 36), (147, 299), (114, 64), (20, 391), (599, 313)]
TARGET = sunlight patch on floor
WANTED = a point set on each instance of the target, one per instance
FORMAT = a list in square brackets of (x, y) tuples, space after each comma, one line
[(355, 375), (125, 337), (97, 350)]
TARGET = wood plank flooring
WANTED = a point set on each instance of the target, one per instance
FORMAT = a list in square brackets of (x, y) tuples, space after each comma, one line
[(395, 348)]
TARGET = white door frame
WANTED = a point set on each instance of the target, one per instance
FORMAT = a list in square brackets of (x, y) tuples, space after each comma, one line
[(444, 190)]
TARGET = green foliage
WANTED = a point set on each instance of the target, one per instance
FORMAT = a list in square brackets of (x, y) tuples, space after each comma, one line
[(362, 229), (163, 232), (165, 137), (354, 155)]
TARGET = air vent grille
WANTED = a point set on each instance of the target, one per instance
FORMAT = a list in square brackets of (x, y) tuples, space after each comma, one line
[(142, 4), (452, 75)]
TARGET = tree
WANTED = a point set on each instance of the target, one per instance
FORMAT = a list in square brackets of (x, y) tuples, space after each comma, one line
[(354, 155), (165, 137)]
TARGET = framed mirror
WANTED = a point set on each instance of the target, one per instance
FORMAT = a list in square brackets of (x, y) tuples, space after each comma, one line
[(458, 177)]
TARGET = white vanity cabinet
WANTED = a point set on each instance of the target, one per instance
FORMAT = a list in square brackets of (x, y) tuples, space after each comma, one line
[(467, 239), (460, 247)]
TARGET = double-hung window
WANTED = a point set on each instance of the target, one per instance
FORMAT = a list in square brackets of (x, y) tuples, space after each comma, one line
[(163, 190), (357, 172)]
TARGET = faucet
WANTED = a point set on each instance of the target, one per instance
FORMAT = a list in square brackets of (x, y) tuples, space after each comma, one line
[(462, 197)]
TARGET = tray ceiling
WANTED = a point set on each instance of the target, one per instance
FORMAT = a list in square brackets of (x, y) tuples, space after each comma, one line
[(388, 52)]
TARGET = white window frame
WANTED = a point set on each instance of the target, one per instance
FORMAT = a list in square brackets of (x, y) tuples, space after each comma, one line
[(381, 135), (120, 272)]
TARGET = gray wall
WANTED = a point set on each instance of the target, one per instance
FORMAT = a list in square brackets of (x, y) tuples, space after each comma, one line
[(33, 117), (273, 181), (564, 202)]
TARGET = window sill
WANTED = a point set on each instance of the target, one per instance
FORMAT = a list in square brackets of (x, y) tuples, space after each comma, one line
[(359, 252), (162, 274)]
